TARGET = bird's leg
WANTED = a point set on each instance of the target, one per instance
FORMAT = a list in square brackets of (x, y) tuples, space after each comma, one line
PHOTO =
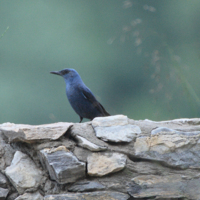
[(80, 119)]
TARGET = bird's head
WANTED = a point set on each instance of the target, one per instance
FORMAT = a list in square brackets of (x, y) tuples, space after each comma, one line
[(67, 74)]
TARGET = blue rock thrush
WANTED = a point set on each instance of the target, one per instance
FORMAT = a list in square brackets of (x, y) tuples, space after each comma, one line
[(80, 96)]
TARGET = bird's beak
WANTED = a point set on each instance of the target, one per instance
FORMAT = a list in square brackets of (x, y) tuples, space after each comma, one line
[(55, 72)]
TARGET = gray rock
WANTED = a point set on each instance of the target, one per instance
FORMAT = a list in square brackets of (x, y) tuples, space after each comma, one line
[(31, 196), (6, 153), (12, 196), (23, 173), (62, 165), (108, 195), (86, 186), (89, 145), (174, 147), (115, 129), (86, 131), (100, 164), (171, 186), (32, 133), (3, 193), (3, 180)]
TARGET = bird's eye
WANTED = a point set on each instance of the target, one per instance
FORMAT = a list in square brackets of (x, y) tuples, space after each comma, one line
[(65, 72)]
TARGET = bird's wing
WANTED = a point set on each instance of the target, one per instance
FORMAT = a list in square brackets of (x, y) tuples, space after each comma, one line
[(88, 95)]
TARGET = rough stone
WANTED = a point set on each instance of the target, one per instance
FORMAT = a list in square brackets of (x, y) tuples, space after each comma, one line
[(115, 129), (3, 193), (3, 180), (32, 133), (174, 147), (12, 196), (100, 164), (86, 131), (171, 186), (6, 153), (31, 196), (23, 173), (62, 165), (86, 186), (89, 145), (81, 154), (114, 120), (108, 195)]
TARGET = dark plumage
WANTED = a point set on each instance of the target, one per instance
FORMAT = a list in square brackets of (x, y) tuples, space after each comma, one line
[(80, 96)]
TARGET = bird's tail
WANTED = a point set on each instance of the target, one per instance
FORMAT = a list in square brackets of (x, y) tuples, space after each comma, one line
[(104, 112)]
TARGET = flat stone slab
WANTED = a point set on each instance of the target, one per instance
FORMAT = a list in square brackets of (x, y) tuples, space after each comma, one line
[(174, 147), (108, 195), (62, 165), (159, 187), (23, 173), (86, 186), (115, 128), (100, 164), (82, 142), (31, 196), (32, 133), (114, 120)]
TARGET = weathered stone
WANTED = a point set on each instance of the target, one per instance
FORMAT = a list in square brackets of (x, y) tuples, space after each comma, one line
[(86, 186), (6, 153), (32, 133), (114, 120), (108, 195), (3, 181), (3, 193), (86, 131), (89, 145), (31, 196), (100, 164), (171, 186), (62, 165), (81, 153), (12, 196), (115, 129), (177, 148), (23, 173), (124, 133)]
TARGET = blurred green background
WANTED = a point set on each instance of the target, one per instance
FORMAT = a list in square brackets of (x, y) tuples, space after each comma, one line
[(139, 57)]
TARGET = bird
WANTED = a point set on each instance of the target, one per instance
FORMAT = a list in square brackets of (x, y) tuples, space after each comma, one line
[(80, 96)]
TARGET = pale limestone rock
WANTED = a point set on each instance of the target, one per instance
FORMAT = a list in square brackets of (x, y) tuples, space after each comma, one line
[(100, 164), (23, 173), (115, 129), (32, 133), (88, 145), (124, 133), (116, 120), (107, 195), (31, 196), (3, 193), (62, 165)]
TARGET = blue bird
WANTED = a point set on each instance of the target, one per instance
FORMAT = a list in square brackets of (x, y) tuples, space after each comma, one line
[(80, 96)]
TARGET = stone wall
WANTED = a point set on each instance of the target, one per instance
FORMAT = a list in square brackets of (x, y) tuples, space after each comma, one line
[(108, 158)]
